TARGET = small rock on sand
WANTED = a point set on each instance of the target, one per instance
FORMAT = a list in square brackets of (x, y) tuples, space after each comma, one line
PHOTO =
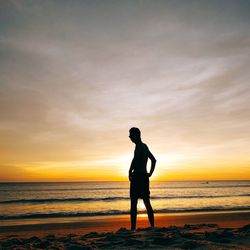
[(78, 247)]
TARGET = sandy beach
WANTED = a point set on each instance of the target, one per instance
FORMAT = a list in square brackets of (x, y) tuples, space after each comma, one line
[(213, 230)]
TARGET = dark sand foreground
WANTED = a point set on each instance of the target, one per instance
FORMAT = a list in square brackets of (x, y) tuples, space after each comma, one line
[(229, 230)]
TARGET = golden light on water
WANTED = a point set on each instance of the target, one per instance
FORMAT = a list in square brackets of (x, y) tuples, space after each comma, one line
[(141, 206)]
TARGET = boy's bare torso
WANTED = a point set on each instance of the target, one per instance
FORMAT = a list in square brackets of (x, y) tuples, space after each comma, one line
[(140, 158)]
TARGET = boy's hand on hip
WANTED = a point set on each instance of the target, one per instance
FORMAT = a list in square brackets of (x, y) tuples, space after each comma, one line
[(130, 177)]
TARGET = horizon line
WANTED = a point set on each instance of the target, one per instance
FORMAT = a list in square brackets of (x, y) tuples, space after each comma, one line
[(3, 182)]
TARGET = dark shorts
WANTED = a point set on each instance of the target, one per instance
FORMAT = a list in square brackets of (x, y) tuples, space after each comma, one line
[(139, 186)]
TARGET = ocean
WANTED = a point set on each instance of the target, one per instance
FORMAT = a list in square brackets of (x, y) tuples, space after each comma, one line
[(19, 201)]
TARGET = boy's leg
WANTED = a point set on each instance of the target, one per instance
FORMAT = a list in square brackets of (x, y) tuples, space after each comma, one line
[(133, 212), (149, 211)]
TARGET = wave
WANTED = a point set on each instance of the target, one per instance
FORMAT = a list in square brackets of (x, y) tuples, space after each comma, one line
[(63, 189), (202, 185), (120, 212), (109, 199), (63, 200)]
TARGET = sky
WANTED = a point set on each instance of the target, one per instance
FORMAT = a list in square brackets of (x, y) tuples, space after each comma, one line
[(76, 75)]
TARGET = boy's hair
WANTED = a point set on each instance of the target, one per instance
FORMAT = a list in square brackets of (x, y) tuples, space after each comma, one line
[(135, 131)]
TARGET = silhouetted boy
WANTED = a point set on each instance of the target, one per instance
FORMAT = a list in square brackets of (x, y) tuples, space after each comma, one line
[(139, 177)]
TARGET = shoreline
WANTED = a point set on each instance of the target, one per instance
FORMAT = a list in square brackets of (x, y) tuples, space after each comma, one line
[(72, 218), (214, 230), (83, 225)]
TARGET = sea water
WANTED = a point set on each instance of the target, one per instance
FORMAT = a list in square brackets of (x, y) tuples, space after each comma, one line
[(57, 200)]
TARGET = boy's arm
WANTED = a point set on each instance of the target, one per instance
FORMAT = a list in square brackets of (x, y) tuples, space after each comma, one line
[(153, 162), (131, 170)]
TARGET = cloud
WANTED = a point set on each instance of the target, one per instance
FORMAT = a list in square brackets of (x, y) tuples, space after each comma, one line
[(75, 77)]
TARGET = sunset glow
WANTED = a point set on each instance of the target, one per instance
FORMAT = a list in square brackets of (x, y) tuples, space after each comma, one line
[(75, 77)]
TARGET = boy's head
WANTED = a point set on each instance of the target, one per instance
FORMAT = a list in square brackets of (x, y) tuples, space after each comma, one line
[(135, 134)]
